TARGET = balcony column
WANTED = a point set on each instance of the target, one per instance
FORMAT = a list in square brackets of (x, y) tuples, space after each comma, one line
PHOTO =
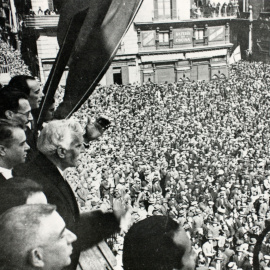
[(205, 36), (155, 74), (157, 38), (250, 45), (194, 34), (171, 37), (227, 33), (139, 38)]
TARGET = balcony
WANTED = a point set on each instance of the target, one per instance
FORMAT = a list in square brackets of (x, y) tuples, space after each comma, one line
[(204, 12), (264, 16), (217, 12), (39, 22)]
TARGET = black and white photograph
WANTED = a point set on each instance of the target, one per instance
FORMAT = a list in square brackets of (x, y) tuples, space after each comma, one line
[(134, 134)]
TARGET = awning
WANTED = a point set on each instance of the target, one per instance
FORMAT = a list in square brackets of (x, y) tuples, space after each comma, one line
[(206, 54), (183, 68), (148, 71), (162, 57), (219, 64), (125, 57)]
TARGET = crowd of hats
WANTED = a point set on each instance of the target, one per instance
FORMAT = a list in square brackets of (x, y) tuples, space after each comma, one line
[(11, 61), (196, 151)]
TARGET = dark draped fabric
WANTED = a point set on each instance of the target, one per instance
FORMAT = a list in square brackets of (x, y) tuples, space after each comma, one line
[(101, 32)]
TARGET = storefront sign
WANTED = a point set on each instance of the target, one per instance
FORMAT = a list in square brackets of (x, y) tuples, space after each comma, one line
[(182, 36), (148, 38), (216, 33)]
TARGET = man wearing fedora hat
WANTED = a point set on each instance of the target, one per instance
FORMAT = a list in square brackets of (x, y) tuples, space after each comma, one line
[(181, 219), (229, 252), (215, 227), (251, 244), (164, 206), (239, 257), (197, 220), (265, 262), (232, 266), (220, 215), (263, 206), (248, 263), (151, 207), (208, 248)]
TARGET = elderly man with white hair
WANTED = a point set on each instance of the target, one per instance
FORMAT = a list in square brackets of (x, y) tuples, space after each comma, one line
[(60, 144)]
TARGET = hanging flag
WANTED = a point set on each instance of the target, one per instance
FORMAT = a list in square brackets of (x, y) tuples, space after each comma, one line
[(60, 62), (94, 49), (236, 55)]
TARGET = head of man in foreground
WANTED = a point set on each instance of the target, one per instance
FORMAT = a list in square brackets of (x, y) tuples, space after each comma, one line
[(18, 191), (34, 237), (158, 243)]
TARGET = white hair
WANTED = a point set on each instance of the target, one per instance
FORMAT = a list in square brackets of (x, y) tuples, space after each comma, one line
[(58, 133)]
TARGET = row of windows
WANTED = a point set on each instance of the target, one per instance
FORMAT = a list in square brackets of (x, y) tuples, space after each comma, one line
[(184, 36)]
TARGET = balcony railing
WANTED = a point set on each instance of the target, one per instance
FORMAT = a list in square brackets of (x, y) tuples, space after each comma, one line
[(219, 11), (264, 16), (201, 12)]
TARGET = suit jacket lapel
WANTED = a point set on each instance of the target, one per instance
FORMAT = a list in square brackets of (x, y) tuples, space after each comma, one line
[(66, 190)]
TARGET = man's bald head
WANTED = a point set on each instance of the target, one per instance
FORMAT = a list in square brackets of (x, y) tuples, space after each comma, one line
[(18, 232), (34, 236)]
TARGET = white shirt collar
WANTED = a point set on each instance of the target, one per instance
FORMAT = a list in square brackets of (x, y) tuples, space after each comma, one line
[(7, 173)]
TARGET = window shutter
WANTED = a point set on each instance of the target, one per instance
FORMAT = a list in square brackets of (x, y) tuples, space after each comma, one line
[(174, 10), (156, 9)]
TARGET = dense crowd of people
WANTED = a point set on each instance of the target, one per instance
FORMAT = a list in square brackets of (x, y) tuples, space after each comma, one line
[(196, 151), (11, 61)]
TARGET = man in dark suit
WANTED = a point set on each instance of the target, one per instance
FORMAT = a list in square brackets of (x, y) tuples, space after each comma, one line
[(60, 143), (14, 105), (31, 90), (34, 93), (239, 258), (13, 147)]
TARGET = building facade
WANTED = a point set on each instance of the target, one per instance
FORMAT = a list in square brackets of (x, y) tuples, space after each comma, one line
[(172, 41), (169, 40)]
